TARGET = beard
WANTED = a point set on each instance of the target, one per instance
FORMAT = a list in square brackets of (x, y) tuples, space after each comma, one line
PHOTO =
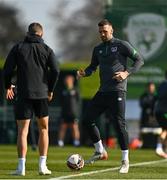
[(105, 39)]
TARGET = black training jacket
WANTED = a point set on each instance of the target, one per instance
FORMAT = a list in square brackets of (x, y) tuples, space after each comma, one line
[(111, 57), (36, 68)]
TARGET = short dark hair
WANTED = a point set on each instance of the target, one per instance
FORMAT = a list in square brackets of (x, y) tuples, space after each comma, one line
[(104, 22), (33, 28)]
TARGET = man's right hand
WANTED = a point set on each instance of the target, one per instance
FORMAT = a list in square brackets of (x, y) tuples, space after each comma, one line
[(50, 96), (80, 73)]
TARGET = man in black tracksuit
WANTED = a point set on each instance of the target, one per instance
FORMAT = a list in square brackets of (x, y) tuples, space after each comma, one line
[(37, 73), (111, 57)]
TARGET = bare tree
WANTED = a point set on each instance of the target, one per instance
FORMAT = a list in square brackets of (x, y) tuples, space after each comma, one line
[(76, 31), (10, 29)]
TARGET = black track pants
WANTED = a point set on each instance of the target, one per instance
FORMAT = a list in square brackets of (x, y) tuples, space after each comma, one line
[(114, 102)]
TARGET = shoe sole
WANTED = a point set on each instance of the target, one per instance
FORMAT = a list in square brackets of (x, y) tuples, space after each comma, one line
[(123, 172), (17, 173)]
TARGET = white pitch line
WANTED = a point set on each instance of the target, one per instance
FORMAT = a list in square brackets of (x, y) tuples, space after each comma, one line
[(109, 169)]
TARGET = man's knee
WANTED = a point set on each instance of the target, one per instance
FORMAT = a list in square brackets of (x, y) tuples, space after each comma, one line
[(43, 123)]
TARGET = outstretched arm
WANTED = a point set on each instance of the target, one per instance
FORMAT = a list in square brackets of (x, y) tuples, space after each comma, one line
[(91, 68)]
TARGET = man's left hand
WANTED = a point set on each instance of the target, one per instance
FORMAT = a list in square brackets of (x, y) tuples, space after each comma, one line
[(121, 75), (10, 93)]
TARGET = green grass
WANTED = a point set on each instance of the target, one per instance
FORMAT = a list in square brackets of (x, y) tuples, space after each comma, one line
[(57, 163)]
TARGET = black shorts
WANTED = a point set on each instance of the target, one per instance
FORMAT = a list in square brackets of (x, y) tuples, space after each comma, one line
[(162, 119), (25, 108), (69, 118)]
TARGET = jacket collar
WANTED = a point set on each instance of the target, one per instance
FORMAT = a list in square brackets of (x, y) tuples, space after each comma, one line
[(33, 39), (110, 41)]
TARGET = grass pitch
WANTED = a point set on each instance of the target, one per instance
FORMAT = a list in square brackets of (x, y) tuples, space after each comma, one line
[(144, 164)]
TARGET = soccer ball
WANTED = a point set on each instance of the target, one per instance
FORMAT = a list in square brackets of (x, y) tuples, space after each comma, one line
[(75, 162)]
